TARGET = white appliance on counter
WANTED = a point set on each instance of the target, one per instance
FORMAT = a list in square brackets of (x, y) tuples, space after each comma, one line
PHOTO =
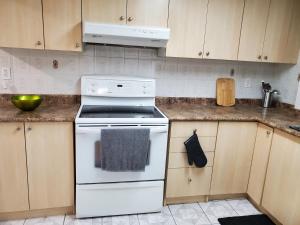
[(125, 35), (110, 103)]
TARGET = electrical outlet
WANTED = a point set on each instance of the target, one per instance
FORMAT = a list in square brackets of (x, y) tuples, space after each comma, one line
[(247, 83), (6, 74)]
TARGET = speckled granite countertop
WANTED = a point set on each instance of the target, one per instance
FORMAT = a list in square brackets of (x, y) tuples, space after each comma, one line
[(52, 109), (280, 118)]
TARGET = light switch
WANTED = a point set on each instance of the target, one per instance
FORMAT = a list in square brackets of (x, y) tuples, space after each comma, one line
[(247, 83)]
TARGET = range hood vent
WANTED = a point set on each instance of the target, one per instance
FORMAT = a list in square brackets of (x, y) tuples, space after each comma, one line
[(125, 35)]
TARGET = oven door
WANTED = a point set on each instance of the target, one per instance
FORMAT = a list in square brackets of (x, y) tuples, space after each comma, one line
[(88, 145)]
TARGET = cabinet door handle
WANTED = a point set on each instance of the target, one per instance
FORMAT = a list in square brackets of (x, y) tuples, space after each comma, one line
[(77, 45), (259, 57), (266, 57), (268, 133), (29, 129), (18, 128), (190, 180), (122, 18), (38, 43), (130, 19), (200, 53), (207, 53)]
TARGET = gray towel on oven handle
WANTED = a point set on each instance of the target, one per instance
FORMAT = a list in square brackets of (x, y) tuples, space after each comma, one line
[(125, 149)]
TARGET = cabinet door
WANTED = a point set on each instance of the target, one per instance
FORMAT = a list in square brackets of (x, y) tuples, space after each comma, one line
[(283, 32), (13, 175), (50, 160), (234, 150), (62, 24), (260, 162), (224, 20), (104, 11), (281, 195), (187, 19), (253, 30), (152, 13), (21, 24)]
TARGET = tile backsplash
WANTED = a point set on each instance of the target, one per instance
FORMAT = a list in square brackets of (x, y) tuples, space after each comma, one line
[(287, 81), (32, 71)]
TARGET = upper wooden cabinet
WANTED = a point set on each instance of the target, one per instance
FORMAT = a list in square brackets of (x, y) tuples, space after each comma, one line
[(281, 195), (104, 11), (21, 24), (152, 13), (13, 175), (233, 156), (283, 32), (187, 20), (253, 30), (62, 24), (131, 12), (205, 29), (50, 160), (223, 27), (41, 24), (260, 162)]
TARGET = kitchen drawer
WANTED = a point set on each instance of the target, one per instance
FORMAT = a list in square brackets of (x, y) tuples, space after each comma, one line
[(208, 144), (118, 198), (185, 182), (179, 160), (185, 129)]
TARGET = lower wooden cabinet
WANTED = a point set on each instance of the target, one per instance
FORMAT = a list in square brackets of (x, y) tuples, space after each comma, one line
[(13, 175), (260, 162), (36, 169), (187, 182), (50, 164), (281, 197), (233, 156)]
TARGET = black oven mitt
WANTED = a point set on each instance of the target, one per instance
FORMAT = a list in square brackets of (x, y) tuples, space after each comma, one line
[(195, 152)]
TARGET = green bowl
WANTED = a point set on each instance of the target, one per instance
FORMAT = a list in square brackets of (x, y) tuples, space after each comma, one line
[(26, 102)]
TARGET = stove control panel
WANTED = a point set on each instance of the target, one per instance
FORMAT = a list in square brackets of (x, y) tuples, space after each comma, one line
[(117, 86)]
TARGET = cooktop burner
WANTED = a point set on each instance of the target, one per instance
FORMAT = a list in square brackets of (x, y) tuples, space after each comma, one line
[(101, 111)]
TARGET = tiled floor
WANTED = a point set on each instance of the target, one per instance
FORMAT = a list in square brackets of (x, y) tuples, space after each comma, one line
[(182, 214)]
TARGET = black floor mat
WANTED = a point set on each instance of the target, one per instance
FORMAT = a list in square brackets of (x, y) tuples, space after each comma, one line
[(247, 220)]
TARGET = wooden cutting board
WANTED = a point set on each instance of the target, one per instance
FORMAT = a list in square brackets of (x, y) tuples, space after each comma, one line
[(225, 92)]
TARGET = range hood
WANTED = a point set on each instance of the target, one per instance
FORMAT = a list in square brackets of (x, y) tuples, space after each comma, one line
[(125, 35)]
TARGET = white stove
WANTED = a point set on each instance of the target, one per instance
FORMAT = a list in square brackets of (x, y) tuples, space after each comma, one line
[(118, 103)]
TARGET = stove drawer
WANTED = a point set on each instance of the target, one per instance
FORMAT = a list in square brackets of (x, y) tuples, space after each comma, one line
[(95, 200)]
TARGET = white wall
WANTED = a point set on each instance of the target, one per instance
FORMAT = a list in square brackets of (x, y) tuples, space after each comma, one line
[(286, 81), (32, 71)]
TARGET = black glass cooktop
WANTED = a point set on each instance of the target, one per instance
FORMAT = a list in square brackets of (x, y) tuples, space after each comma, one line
[(92, 111)]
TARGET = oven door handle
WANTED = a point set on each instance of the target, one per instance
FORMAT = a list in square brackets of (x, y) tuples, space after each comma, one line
[(96, 131)]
